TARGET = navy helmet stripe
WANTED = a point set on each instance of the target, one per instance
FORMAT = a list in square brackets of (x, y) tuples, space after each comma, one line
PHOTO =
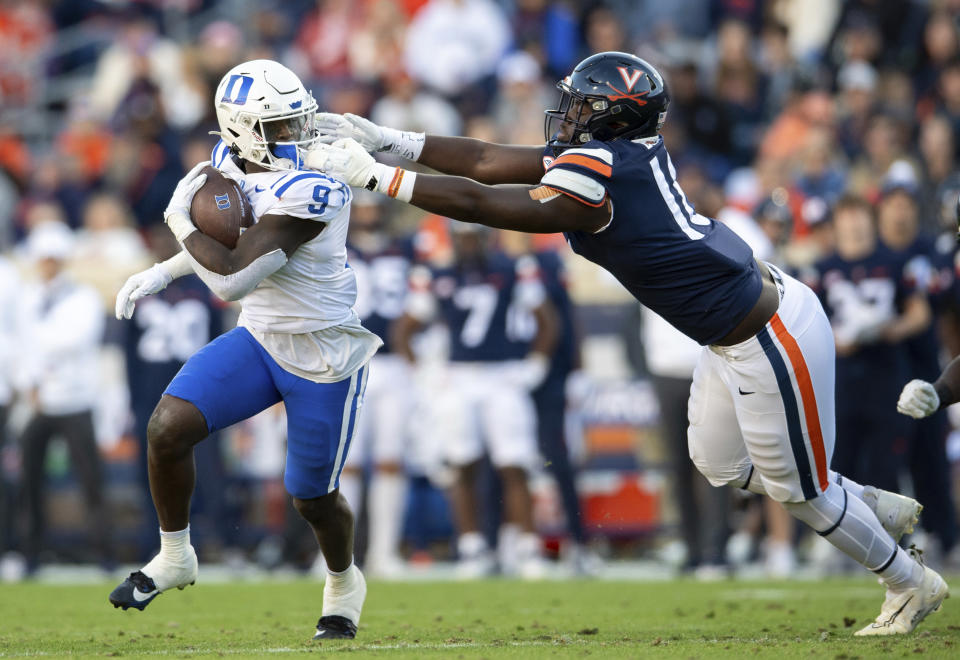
[(794, 430)]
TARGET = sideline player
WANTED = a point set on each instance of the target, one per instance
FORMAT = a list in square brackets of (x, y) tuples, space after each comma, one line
[(298, 339), (488, 302), (381, 263), (872, 308), (761, 407), (920, 398)]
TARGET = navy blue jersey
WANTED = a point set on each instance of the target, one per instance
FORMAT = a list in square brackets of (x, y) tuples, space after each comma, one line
[(553, 275), (167, 328), (382, 276), (486, 307), (692, 270), (929, 271), (856, 294)]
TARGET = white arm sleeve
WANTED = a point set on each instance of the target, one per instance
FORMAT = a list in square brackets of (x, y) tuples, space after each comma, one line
[(178, 265), (236, 285)]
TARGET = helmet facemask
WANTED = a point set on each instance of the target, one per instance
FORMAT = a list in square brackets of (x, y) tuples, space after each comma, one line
[(276, 142), (574, 109), (286, 136)]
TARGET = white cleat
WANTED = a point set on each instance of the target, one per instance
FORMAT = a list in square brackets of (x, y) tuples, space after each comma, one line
[(897, 513), (903, 610)]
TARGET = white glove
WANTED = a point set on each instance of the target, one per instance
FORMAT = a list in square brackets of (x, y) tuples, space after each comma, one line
[(348, 161), (333, 127), (177, 214), (371, 137), (918, 399), (141, 284)]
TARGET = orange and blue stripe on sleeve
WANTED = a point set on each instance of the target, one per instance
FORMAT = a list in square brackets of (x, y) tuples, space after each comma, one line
[(594, 161)]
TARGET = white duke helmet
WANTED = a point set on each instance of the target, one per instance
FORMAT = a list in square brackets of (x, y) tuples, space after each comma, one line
[(265, 113)]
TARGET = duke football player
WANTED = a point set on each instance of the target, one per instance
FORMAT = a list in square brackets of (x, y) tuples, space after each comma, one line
[(761, 406), (298, 339)]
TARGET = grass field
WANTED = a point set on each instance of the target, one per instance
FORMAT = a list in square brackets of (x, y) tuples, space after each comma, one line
[(491, 619)]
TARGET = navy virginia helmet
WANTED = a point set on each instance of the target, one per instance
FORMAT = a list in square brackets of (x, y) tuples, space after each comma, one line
[(608, 96)]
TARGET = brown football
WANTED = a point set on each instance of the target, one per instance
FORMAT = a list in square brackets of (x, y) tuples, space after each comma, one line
[(220, 209)]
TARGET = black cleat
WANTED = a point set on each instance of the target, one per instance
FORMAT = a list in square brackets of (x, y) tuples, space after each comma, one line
[(335, 627), (136, 591)]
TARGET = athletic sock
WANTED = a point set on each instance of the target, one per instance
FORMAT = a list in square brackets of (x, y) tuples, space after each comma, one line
[(386, 503), (471, 544), (508, 550), (851, 527), (176, 554), (902, 571), (846, 483), (175, 546), (343, 593), (341, 580)]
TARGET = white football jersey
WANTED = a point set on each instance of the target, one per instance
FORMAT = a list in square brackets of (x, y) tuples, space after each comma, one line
[(315, 289), (302, 314)]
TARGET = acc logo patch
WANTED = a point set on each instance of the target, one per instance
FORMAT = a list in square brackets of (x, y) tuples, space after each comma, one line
[(223, 201)]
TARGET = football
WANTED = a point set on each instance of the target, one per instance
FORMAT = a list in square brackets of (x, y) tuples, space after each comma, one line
[(220, 209)]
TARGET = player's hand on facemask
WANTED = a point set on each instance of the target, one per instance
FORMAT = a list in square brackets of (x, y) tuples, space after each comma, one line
[(333, 127), (918, 399), (177, 213), (347, 160), (137, 286)]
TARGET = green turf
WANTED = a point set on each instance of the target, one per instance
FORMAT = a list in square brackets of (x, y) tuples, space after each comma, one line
[(490, 619)]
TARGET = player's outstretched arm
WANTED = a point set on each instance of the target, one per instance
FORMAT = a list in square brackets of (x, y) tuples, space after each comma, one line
[(532, 209), (481, 161), (520, 208)]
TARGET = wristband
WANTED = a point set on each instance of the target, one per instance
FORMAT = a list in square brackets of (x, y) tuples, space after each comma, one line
[(394, 182), (405, 144), (180, 224)]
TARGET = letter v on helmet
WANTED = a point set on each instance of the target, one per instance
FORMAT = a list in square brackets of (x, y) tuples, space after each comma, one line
[(630, 78)]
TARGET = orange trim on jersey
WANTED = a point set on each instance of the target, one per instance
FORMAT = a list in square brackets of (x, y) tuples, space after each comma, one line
[(807, 395), (597, 166), (579, 199)]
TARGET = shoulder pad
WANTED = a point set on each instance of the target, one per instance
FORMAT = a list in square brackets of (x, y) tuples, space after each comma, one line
[(593, 160)]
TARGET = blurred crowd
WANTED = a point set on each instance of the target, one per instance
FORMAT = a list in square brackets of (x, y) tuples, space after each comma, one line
[(823, 131)]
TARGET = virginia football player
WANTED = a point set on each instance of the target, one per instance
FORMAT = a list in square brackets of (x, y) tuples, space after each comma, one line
[(298, 339), (761, 406)]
